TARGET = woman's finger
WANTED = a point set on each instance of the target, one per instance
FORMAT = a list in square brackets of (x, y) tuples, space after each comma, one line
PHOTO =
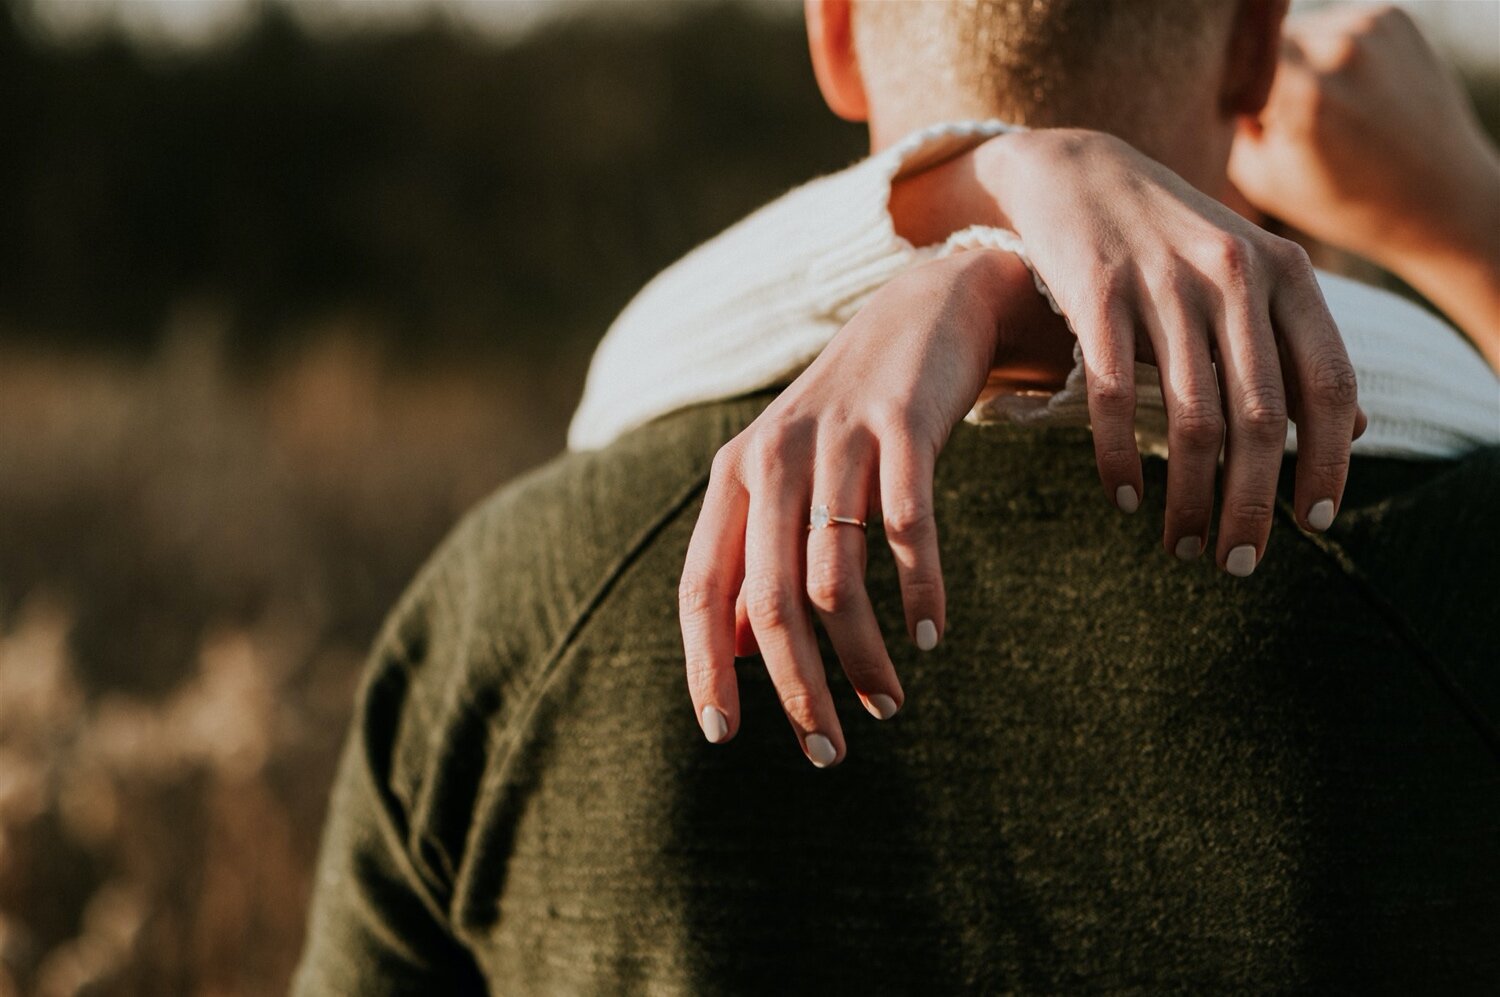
[(706, 602), (1328, 416), (911, 531), (836, 574), (1107, 340), (775, 544), (1255, 403), (1195, 419)]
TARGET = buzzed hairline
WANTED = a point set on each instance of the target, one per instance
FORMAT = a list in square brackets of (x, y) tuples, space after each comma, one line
[(1107, 64)]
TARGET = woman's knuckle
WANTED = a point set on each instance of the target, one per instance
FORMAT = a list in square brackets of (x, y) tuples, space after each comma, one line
[(726, 461), (1333, 380), (1110, 283), (770, 602), (831, 584), (1262, 413), (801, 705), (1116, 282), (761, 448), (887, 416), (908, 519), (1251, 512), (1231, 257), (896, 421), (697, 594), (1290, 257), (1113, 392), (1199, 424)]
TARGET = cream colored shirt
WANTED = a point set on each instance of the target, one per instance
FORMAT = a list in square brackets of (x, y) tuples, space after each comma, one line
[(751, 308)]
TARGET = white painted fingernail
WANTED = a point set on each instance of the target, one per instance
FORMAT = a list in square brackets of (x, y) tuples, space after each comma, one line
[(820, 750), (715, 724), (1320, 516), (1188, 548), (1241, 561), (926, 635), (881, 706), (1127, 499)]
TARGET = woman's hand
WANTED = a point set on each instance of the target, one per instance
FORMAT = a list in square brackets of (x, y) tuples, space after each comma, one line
[(858, 432), (1147, 267), (1369, 143)]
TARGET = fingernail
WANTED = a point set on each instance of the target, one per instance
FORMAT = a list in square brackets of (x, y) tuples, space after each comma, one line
[(881, 706), (1188, 548), (1320, 516), (1241, 561), (926, 635), (715, 724), (1127, 499), (820, 750)]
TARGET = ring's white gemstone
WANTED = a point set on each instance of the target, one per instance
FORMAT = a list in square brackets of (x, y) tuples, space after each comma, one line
[(820, 517)]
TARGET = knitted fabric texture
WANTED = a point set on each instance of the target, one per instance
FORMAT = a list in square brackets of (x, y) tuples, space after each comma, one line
[(1117, 772)]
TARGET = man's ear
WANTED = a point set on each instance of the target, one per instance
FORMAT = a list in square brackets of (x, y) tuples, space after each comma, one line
[(1254, 49), (830, 36)]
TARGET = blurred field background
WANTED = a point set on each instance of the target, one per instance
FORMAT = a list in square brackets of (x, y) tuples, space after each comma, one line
[(277, 303)]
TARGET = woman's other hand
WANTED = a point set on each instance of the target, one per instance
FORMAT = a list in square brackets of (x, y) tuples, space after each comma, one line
[(858, 432), (1368, 142), (1147, 267)]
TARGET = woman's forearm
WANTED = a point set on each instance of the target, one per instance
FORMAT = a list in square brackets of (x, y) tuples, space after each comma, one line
[(1456, 266)]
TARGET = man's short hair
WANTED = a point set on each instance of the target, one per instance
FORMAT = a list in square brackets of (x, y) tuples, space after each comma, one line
[(1105, 64)]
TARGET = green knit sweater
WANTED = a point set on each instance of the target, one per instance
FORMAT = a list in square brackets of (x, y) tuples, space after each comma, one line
[(1117, 772)]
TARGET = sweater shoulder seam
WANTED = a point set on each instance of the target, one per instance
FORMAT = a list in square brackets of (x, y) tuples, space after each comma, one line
[(1428, 661)]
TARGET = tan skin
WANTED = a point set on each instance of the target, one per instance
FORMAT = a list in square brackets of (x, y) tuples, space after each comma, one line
[(1426, 204), (866, 425)]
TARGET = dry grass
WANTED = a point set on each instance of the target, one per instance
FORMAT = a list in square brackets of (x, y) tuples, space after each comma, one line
[(192, 562)]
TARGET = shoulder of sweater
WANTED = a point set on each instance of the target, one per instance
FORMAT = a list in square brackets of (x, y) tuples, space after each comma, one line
[(1423, 536), (471, 642), (519, 572)]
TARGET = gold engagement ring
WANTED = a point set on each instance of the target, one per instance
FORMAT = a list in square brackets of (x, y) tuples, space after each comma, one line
[(821, 519)]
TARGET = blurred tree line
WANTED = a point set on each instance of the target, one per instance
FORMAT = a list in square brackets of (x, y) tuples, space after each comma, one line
[(452, 190), (274, 310)]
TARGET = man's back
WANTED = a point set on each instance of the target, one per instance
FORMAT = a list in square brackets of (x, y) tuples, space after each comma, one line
[(1117, 771)]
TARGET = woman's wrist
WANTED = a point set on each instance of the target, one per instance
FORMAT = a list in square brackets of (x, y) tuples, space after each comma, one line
[(1452, 257), (1460, 218), (928, 206), (1025, 340)]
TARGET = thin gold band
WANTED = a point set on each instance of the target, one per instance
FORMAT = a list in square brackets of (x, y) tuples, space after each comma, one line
[(822, 519)]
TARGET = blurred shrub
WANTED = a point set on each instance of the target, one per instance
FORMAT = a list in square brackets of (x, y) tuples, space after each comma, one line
[(193, 560)]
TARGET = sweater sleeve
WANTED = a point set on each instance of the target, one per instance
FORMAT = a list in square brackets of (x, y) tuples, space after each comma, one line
[(377, 925), (752, 307)]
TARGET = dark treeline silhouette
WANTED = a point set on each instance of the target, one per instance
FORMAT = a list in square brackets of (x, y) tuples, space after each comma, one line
[(454, 191)]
